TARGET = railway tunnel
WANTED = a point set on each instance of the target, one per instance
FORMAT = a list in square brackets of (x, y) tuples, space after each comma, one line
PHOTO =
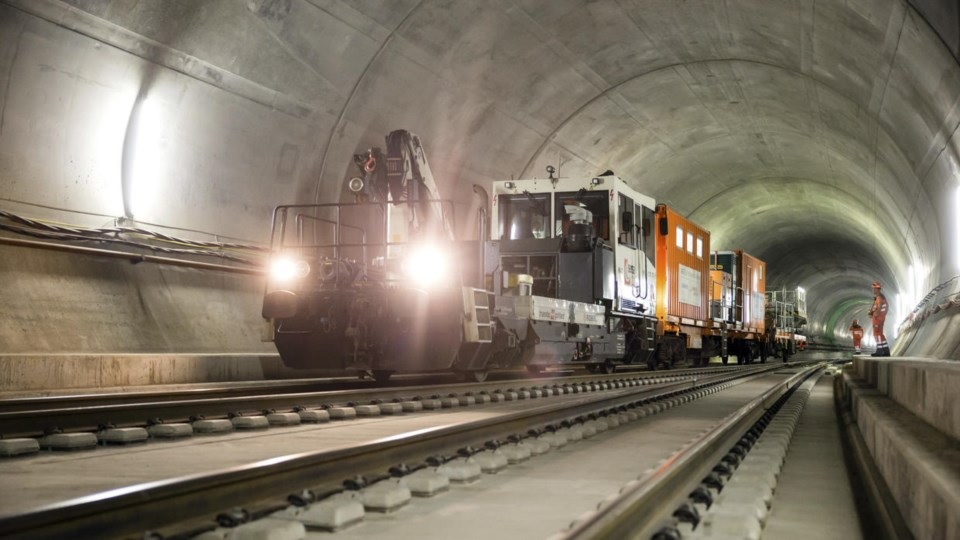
[(819, 135)]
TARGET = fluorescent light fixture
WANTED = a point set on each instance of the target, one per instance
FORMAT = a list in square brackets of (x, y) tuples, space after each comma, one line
[(148, 173), (917, 283), (898, 315), (103, 131), (912, 286)]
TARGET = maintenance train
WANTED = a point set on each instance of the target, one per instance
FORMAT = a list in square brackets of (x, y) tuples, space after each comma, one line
[(786, 315), (564, 271)]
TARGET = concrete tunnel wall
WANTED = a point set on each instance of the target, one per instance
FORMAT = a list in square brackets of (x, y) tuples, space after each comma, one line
[(819, 136)]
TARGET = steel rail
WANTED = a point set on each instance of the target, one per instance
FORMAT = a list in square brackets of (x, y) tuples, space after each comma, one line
[(25, 417), (134, 509), (174, 392), (647, 506), (32, 404), (177, 391)]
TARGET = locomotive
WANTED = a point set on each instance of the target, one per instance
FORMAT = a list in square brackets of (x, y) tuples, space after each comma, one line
[(586, 250), (377, 285), (739, 305), (636, 280), (565, 270)]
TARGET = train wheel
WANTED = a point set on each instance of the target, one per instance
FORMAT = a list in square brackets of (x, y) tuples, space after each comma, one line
[(478, 375), (701, 358), (607, 367), (382, 375), (593, 368), (653, 357), (534, 369), (678, 357)]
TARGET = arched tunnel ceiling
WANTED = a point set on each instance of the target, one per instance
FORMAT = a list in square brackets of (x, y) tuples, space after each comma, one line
[(819, 135)]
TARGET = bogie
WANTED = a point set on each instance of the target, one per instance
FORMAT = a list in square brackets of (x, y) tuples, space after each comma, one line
[(477, 375), (382, 375)]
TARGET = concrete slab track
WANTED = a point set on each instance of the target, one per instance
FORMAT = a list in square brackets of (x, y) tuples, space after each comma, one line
[(814, 498), (533, 499)]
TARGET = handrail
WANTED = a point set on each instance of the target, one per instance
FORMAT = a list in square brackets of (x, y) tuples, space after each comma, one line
[(280, 217), (336, 234), (938, 295)]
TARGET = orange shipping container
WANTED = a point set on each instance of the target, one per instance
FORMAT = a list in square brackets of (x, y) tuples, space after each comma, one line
[(683, 269), (753, 282), (742, 294)]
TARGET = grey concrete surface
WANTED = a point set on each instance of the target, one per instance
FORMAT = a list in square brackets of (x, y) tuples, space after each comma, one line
[(925, 388), (33, 375), (933, 319), (819, 136), (814, 498), (919, 464), (530, 500)]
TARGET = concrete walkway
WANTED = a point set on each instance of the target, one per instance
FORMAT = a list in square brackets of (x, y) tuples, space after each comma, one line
[(814, 498)]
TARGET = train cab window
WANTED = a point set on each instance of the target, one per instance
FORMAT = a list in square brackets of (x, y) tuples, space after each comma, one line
[(689, 242), (594, 201), (628, 232), (699, 247), (514, 265), (544, 271), (679, 237), (526, 215), (647, 242), (542, 268)]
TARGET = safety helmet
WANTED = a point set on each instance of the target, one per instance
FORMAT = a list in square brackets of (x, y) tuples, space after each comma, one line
[(876, 285)]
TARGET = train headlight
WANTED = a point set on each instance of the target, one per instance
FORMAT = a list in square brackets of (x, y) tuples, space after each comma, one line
[(427, 265), (288, 269)]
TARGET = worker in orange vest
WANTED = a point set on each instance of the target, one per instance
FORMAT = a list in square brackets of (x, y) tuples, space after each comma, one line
[(857, 332), (878, 314)]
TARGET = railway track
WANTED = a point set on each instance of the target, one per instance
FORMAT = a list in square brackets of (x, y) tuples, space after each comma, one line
[(302, 490), (29, 417)]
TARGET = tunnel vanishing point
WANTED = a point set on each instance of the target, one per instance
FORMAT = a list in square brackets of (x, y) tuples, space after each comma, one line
[(819, 135)]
